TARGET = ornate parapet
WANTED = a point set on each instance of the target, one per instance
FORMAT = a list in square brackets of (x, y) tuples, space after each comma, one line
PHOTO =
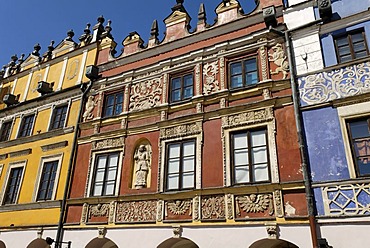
[(336, 84)]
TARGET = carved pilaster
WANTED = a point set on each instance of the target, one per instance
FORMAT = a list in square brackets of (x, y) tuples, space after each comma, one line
[(222, 73), (85, 210), (199, 107), (278, 204), (126, 98), (223, 102), (196, 208), (264, 63), (197, 79), (160, 204), (112, 208), (100, 103), (229, 206), (165, 84)]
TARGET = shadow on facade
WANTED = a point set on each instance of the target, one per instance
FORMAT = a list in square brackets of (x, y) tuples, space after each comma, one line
[(272, 243), (37, 243), (101, 242), (178, 243)]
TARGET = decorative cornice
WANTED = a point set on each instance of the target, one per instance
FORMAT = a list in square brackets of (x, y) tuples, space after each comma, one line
[(54, 146), (20, 153)]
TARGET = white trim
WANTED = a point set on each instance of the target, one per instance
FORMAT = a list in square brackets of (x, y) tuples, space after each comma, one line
[(27, 87), (47, 68), (82, 67), (346, 112), (62, 74), (92, 169), (14, 85), (1, 169), (10, 167), (44, 160)]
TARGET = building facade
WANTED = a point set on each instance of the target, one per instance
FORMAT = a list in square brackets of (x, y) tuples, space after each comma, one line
[(332, 70), (41, 101), (191, 141)]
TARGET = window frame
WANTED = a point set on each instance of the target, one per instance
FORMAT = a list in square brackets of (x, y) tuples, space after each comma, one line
[(349, 35), (43, 161), (53, 117), (8, 131), (93, 166), (352, 145), (16, 165), (250, 156), (29, 129), (181, 163), (114, 106), (242, 60), (182, 88)]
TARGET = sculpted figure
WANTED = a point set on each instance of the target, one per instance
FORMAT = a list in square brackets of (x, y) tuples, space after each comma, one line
[(89, 107), (142, 165)]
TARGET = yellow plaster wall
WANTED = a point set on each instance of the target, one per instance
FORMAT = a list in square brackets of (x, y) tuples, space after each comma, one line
[(21, 86), (54, 74), (37, 76), (30, 217)]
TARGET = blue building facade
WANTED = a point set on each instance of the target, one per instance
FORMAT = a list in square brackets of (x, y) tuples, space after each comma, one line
[(334, 94)]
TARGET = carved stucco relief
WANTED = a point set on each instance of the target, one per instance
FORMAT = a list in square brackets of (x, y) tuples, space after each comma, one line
[(197, 79), (89, 107), (222, 73), (254, 203), (335, 84), (196, 208), (136, 211), (211, 84), (73, 69), (179, 207), (108, 143), (279, 58), (99, 210), (160, 204), (213, 207), (263, 61), (142, 165), (145, 95)]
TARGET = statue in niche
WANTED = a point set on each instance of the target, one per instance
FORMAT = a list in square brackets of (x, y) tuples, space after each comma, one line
[(89, 107), (142, 159)]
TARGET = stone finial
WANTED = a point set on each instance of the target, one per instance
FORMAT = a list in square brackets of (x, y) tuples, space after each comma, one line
[(86, 33), (98, 28), (13, 60), (70, 35), (179, 6), (107, 30), (36, 50), (2, 72), (154, 32), (21, 59), (49, 52), (202, 14)]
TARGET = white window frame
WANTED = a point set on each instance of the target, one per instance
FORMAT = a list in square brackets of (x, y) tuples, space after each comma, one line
[(353, 111), (53, 107), (93, 165), (44, 160), (10, 167)]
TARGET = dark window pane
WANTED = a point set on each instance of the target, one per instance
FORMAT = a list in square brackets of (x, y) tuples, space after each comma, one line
[(47, 181), (236, 68), (188, 92), (351, 46), (113, 104), (181, 88), (250, 65), (176, 83), (26, 126), (188, 80), (176, 95), (359, 129), (236, 81), (342, 41), (13, 185), (5, 131), (59, 117)]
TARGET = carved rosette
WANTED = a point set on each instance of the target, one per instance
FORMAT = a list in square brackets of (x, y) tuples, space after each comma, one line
[(196, 208), (213, 207), (145, 95), (137, 211), (99, 210), (278, 204), (248, 118), (160, 204), (181, 130), (108, 143), (254, 203), (211, 84), (229, 206), (179, 207)]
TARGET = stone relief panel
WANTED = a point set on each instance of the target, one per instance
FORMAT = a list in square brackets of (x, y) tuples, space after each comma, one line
[(89, 108), (348, 199), (73, 69), (108, 143), (137, 211), (336, 84), (278, 57), (142, 165), (211, 83), (254, 206), (248, 118), (181, 130), (213, 207), (178, 210), (146, 94)]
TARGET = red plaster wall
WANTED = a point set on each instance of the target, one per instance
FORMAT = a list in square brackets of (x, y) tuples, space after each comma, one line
[(181, 113), (212, 166), (73, 214), (127, 170), (287, 145), (246, 100), (297, 200), (110, 127), (80, 171), (145, 121)]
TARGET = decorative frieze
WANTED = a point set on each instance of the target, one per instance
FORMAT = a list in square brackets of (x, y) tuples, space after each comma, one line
[(145, 95), (213, 207), (99, 210), (254, 203), (211, 84), (181, 130), (137, 211), (108, 143), (250, 117), (179, 207), (348, 199), (335, 84)]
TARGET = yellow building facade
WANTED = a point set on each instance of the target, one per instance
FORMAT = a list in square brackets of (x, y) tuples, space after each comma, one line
[(41, 102)]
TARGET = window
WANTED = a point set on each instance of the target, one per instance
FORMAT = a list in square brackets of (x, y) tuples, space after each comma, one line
[(12, 188), (351, 46), (5, 131), (58, 118), (180, 165), (113, 104), (359, 131), (47, 181), (26, 126), (243, 73), (182, 87), (250, 163), (105, 175)]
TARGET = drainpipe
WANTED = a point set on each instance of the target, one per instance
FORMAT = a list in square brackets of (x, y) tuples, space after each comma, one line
[(59, 236)]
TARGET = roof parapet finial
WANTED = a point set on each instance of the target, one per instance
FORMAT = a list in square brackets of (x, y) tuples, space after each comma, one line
[(49, 53), (87, 29), (21, 59), (154, 31), (86, 36), (70, 35), (179, 6), (36, 50), (202, 17), (107, 31), (2, 72)]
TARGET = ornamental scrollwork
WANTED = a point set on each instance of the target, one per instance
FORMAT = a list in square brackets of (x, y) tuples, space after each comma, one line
[(179, 207), (196, 212), (211, 84), (99, 210), (140, 211), (229, 204), (278, 203), (160, 211), (280, 60), (145, 95), (263, 54), (181, 130), (213, 207), (335, 84), (108, 143), (255, 203), (248, 117)]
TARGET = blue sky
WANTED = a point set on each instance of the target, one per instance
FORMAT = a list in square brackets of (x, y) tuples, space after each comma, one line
[(27, 22)]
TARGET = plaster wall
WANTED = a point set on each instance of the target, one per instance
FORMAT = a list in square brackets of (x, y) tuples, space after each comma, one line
[(18, 238)]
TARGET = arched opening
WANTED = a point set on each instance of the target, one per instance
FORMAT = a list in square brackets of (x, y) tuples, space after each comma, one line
[(37, 243), (101, 243), (2, 245), (178, 243), (272, 243)]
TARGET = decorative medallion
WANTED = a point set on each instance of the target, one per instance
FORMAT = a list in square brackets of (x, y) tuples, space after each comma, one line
[(145, 95), (137, 211), (73, 69), (213, 207)]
